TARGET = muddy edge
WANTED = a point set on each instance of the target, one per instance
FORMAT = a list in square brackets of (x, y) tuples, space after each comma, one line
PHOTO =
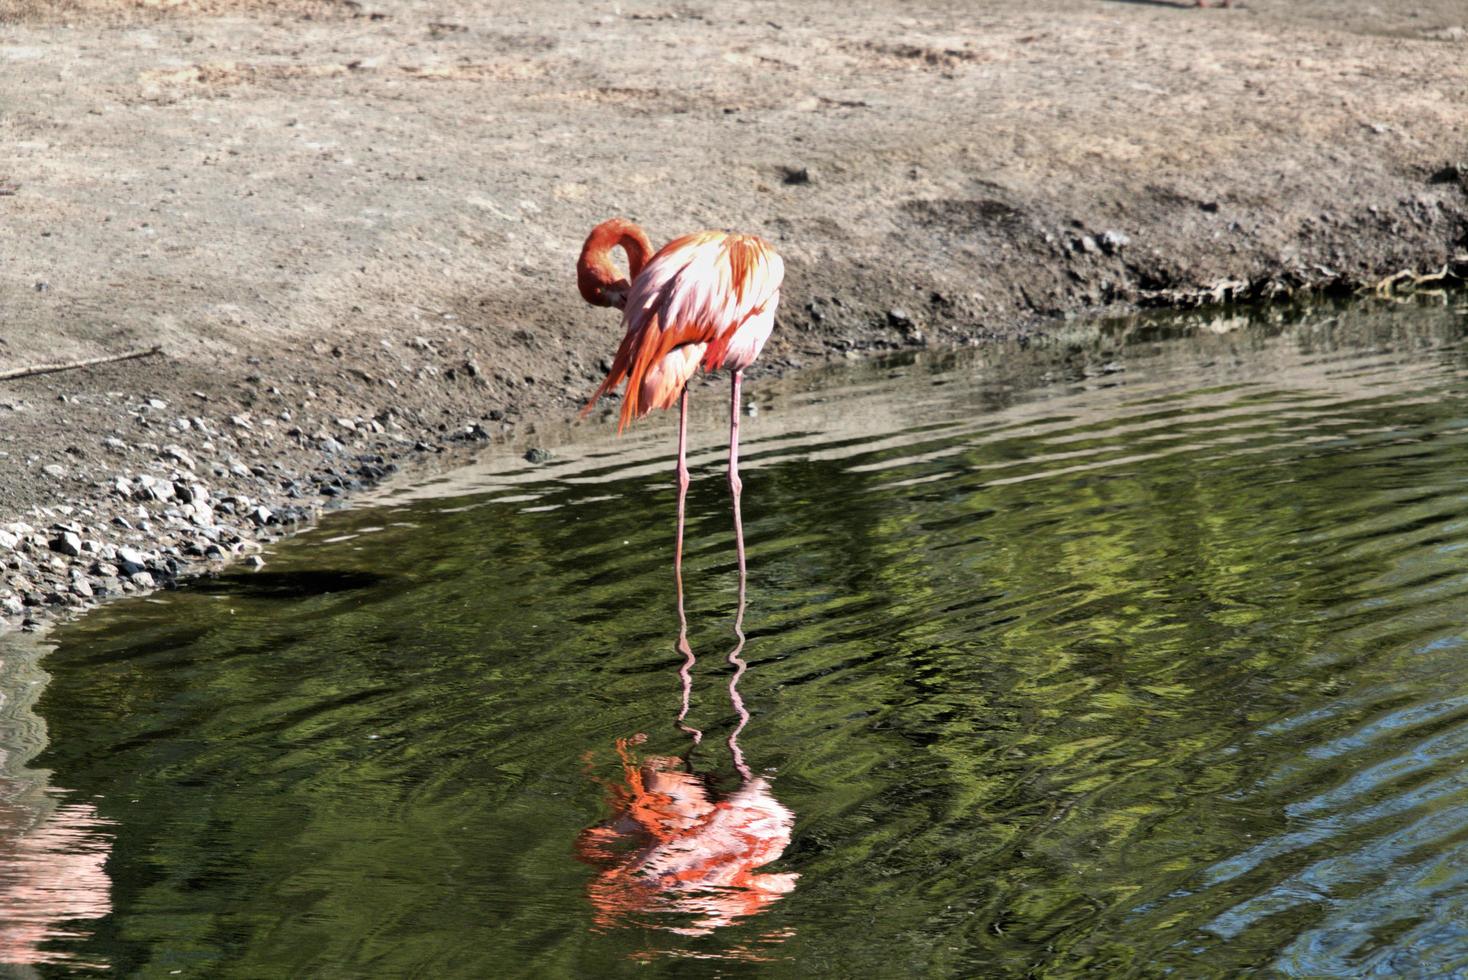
[(351, 226)]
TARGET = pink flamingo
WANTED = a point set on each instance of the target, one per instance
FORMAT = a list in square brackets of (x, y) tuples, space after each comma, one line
[(705, 300)]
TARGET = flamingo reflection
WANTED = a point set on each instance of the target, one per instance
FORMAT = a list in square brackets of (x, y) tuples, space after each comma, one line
[(51, 874), (673, 848), (676, 854)]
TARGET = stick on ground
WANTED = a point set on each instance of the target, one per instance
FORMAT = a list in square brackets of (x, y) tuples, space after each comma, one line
[(26, 372)]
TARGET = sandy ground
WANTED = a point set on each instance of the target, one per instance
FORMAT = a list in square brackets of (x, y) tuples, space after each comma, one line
[(352, 226)]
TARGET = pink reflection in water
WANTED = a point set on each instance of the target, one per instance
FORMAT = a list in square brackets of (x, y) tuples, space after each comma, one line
[(51, 874), (672, 848)]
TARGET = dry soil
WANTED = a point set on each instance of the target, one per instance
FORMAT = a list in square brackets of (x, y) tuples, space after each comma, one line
[(351, 226)]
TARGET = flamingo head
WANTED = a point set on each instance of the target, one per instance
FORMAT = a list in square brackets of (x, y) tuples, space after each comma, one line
[(598, 278)]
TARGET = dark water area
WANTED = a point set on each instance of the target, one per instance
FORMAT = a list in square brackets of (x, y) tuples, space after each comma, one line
[(1160, 667)]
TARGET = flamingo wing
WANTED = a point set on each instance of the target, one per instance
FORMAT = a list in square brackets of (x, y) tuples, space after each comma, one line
[(686, 308)]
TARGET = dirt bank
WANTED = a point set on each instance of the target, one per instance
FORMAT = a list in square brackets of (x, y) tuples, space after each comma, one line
[(351, 226)]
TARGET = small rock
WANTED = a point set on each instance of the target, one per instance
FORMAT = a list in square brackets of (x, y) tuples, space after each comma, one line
[(142, 580), (1114, 241), (537, 455), (473, 433), (157, 404), (9, 541), (253, 561), (68, 543), (54, 470), (81, 587), (468, 369), (191, 493), (131, 561), (261, 516), (1085, 244), (797, 175), (12, 606), (898, 317), (177, 454), (115, 444), (330, 445)]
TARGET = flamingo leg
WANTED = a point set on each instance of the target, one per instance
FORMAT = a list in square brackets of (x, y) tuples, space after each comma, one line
[(682, 487), (685, 673), (735, 486)]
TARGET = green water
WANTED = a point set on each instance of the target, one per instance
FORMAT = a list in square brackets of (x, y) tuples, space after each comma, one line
[(1162, 669)]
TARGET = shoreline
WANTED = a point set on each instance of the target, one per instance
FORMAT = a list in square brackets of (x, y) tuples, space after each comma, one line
[(351, 227), (169, 543)]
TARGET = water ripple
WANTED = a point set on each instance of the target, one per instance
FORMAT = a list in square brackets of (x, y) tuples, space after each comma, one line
[(1154, 673)]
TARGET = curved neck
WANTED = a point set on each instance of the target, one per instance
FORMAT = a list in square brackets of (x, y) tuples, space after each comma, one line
[(597, 276)]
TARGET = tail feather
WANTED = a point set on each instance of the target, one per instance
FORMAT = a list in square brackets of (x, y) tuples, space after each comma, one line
[(608, 383), (624, 366), (614, 377)]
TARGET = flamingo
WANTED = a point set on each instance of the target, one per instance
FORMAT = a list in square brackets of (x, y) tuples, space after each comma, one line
[(706, 300)]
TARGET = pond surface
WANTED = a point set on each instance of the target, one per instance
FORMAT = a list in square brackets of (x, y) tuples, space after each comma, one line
[(1161, 669)]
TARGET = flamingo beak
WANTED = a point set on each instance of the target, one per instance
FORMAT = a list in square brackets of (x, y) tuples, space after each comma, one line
[(616, 295)]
